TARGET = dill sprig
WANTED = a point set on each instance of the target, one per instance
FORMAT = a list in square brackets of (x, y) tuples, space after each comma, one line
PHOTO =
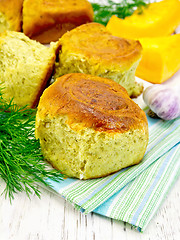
[(21, 161), (103, 12)]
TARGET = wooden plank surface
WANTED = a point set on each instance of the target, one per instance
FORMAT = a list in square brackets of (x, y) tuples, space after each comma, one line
[(53, 218)]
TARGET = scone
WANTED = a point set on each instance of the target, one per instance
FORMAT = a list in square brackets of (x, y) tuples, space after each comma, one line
[(91, 49), (25, 67), (89, 127), (48, 20), (10, 15)]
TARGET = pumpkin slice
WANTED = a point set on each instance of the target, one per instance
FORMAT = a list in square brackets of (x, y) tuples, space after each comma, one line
[(161, 58), (157, 19)]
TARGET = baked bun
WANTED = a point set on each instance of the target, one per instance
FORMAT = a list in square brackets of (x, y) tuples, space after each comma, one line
[(91, 49), (47, 21), (25, 67), (89, 127), (10, 15)]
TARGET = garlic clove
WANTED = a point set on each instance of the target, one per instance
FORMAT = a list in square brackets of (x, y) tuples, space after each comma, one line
[(163, 101)]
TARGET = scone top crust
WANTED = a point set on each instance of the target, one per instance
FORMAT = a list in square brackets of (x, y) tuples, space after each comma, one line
[(91, 101), (95, 43), (40, 15)]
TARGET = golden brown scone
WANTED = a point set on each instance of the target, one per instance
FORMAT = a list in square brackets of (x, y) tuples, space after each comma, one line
[(89, 127), (91, 49), (10, 15), (48, 20), (25, 67)]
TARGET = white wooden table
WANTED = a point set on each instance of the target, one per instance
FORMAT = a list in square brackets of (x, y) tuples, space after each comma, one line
[(53, 218)]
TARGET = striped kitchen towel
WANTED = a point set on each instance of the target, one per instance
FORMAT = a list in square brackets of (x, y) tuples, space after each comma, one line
[(134, 193)]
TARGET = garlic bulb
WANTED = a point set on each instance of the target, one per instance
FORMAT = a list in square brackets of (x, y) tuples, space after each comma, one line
[(163, 101)]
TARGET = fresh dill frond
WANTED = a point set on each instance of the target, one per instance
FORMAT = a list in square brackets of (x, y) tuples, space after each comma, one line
[(122, 9), (21, 162)]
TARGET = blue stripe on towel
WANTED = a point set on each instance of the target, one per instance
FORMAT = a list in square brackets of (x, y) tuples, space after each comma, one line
[(148, 194)]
